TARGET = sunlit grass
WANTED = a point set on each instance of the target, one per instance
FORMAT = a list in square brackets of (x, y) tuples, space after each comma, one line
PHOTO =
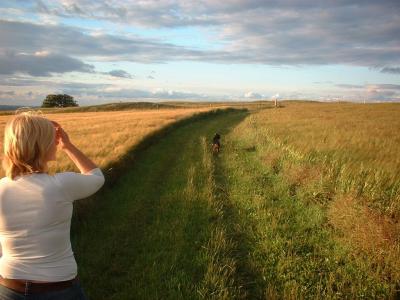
[(166, 236), (355, 145), (337, 166), (106, 136)]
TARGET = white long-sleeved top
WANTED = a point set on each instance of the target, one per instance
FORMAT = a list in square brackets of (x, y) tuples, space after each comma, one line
[(35, 221)]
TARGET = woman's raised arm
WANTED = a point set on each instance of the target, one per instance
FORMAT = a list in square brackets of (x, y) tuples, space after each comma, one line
[(83, 163)]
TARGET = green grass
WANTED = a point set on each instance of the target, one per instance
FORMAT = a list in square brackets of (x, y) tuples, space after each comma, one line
[(154, 234), (290, 246), (181, 223)]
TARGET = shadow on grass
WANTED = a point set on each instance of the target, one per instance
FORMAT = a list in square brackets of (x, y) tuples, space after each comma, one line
[(116, 170), (247, 277), (141, 237)]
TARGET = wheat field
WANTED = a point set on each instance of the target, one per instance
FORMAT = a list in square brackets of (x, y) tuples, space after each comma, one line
[(355, 145), (106, 136), (342, 160)]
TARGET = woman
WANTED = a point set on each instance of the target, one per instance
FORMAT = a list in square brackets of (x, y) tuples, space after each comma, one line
[(36, 208)]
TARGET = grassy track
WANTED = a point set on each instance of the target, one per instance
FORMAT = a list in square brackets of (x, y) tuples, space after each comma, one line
[(184, 224), (156, 234), (292, 250)]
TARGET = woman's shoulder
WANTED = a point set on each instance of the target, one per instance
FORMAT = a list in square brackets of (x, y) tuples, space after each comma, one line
[(95, 171), (68, 176), (5, 180)]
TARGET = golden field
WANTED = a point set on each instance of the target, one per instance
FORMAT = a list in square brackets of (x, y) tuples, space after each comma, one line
[(355, 145), (344, 159), (106, 136)]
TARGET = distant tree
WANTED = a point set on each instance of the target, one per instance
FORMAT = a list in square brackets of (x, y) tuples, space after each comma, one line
[(59, 101)]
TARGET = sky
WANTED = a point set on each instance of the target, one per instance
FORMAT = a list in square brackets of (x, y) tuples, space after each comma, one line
[(204, 50)]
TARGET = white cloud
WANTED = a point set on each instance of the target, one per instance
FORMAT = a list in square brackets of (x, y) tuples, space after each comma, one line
[(253, 95), (286, 32)]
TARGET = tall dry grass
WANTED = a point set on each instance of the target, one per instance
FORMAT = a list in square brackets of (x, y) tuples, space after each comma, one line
[(343, 158), (355, 145), (106, 136)]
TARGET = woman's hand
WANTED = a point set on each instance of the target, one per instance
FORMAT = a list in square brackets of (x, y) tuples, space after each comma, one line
[(62, 138), (82, 162)]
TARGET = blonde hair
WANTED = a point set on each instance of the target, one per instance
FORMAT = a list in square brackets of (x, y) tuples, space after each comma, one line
[(28, 137)]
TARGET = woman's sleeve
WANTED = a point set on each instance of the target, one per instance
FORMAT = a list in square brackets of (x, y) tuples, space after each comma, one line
[(79, 186)]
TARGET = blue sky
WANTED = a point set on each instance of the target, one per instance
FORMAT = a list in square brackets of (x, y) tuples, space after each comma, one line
[(199, 50)]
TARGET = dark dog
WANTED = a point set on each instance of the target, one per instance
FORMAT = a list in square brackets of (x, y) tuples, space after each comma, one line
[(216, 144)]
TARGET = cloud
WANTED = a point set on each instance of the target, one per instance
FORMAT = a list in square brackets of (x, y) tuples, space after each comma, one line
[(79, 89), (172, 94), (7, 93), (382, 95), (276, 96), (270, 32), (30, 38), (90, 90), (253, 95), (145, 13), (283, 32), (385, 86), (287, 32), (388, 86), (391, 70), (350, 86), (119, 73), (22, 81), (40, 64), (127, 93), (380, 91)]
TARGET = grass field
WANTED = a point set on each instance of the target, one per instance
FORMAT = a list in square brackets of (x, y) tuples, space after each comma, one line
[(356, 146), (106, 136), (321, 199), (301, 203), (264, 219)]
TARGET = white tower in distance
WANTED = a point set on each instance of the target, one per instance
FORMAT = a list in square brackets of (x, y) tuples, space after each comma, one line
[(276, 100)]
